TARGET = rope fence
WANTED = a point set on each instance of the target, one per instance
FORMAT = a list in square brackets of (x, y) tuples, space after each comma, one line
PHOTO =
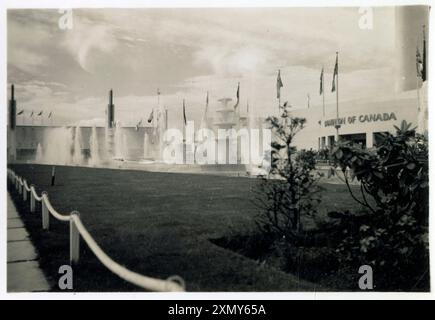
[(78, 231)]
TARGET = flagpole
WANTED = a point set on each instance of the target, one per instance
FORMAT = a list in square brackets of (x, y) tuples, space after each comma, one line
[(418, 93), (323, 96), (158, 98), (336, 89), (323, 90), (184, 112), (166, 119), (417, 68), (279, 85)]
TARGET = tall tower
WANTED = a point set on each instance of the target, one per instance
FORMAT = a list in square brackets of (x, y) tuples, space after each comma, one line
[(12, 146), (110, 111), (12, 110), (110, 134)]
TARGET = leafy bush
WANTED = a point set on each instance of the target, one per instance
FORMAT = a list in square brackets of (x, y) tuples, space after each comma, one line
[(306, 158), (323, 154), (392, 236), (290, 189)]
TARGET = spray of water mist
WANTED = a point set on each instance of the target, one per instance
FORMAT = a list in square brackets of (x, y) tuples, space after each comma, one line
[(78, 158), (94, 159), (39, 156)]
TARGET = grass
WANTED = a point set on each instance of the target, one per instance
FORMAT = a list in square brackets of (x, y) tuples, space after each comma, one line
[(157, 224)]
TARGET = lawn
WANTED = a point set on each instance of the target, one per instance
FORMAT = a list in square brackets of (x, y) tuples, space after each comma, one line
[(158, 224)]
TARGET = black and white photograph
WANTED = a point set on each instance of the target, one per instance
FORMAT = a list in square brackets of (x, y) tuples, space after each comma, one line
[(179, 149)]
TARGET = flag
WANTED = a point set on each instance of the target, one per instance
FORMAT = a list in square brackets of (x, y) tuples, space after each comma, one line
[(150, 118), (49, 115), (335, 74), (321, 82), (184, 112), (279, 85), (40, 113), (21, 112), (238, 96), (206, 107), (419, 64), (424, 64)]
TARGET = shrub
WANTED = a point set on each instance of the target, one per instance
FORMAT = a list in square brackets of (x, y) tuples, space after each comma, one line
[(392, 236)]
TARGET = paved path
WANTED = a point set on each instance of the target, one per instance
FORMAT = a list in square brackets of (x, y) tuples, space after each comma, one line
[(24, 274)]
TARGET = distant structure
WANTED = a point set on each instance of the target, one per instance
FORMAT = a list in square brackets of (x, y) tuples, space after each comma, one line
[(110, 111), (226, 116), (12, 145), (110, 134), (12, 109)]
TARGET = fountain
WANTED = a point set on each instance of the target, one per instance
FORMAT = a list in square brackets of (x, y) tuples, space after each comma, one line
[(58, 146), (124, 145), (39, 155), (145, 145), (119, 141), (94, 159), (77, 157)]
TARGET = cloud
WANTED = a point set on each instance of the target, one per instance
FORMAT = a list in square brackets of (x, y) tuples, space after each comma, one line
[(239, 61), (87, 41), (187, 52)]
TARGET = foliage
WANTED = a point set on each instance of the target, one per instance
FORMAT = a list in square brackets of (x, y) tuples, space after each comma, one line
[(306, 158), (323, 154), (289, 191), (393, 177)]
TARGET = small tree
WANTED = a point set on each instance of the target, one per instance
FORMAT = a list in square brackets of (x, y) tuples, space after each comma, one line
[(289, 191)]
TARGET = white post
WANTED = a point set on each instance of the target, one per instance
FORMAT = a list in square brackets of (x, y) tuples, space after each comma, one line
[(32, 200), (369, 140), (45, 213), (24, 191), (74, 240)]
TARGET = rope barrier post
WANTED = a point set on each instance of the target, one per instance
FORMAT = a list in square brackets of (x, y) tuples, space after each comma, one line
[(20, 186), (45, 213), (25, 191), (74, 239), (53, 175), (32, 199)]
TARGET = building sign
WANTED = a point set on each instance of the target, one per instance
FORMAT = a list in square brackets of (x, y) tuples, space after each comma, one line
[(362, 118)]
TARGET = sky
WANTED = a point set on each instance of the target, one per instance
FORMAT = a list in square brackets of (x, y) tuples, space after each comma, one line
[(186, 52)]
